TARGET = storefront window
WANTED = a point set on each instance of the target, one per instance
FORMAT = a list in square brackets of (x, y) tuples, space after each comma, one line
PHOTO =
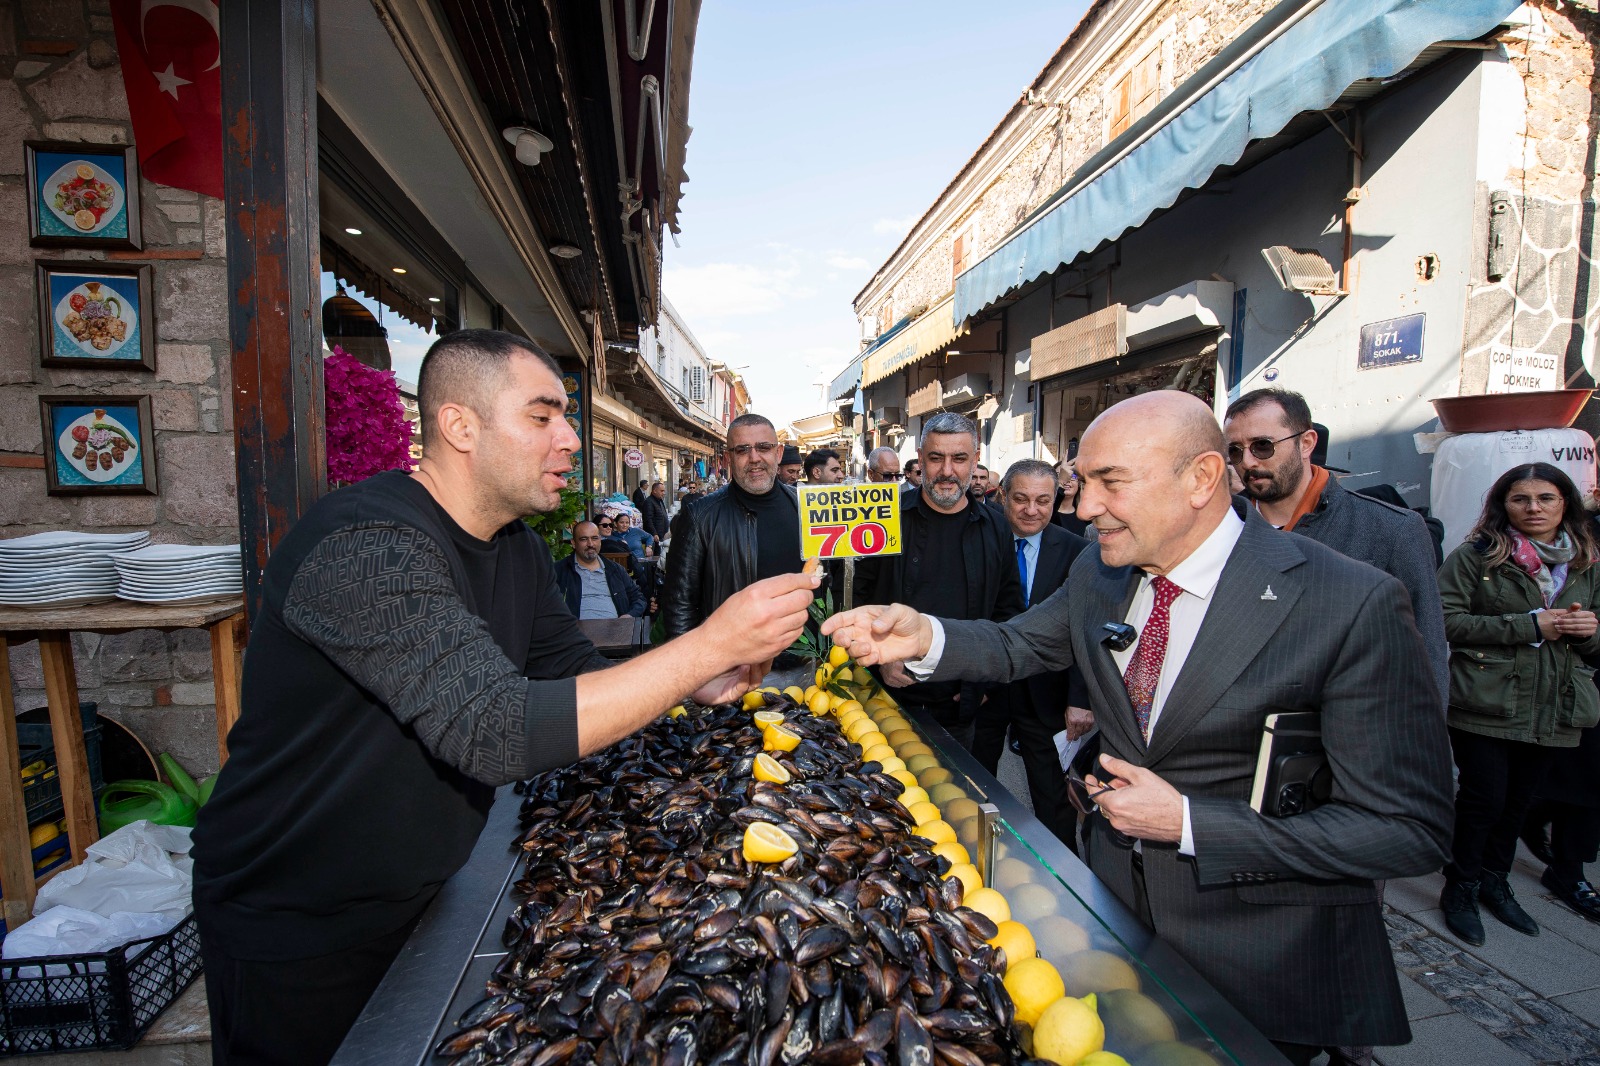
[(603, 459)]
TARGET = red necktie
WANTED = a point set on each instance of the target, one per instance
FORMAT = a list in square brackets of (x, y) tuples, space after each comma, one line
[(1144, 671)]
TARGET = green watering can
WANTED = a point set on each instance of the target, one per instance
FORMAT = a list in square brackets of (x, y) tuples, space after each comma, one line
[(125, 802)]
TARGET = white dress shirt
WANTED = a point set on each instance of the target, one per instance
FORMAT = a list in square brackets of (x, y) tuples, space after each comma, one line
[(1197, 576)]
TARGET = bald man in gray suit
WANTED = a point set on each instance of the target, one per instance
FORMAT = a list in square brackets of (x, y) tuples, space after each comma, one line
[(1236, 621)]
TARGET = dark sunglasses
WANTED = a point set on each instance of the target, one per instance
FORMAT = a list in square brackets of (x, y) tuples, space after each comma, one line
[(604, 525), (1261, 448), (893, 475)]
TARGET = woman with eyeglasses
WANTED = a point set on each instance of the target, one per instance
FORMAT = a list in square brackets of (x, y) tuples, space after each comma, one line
[(1518, 599), (1066, 515)]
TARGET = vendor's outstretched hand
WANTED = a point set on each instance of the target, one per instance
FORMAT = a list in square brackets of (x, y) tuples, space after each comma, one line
[(729, 686), (874, 635), (761, 620)]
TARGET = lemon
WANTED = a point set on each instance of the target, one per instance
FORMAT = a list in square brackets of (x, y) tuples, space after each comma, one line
[(1103, 1058), (753, 699), (1014, 939), (777, 738), (1059, 937), (877, 753), (903, 735), (818, 703), (1034, 985), (893, 763), (871, 739), (968, 875), (1030, 902), (913, 794), (849, 706), (843, 675), (677, 711), (958, 810), (1098, 971), (837, 656), (796, 693), (822, 676), (946, 793), (43, 834), (992, 905), (858, 727), (922, 811), (835, 701), (952, 851), (905, 777), (769, 769), (918, 763), (1011, 872), (765, 842), (766, 718), (850, 718), (1134, 1021), (936, 832), (1067, 1030), (770, 688), (908, 751), (811, 690), (933, 775)]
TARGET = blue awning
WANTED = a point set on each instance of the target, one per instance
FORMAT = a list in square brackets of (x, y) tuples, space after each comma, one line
[(849, 378), (1304, 67)]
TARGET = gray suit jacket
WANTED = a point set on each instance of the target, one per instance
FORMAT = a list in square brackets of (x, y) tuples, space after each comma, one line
[(1280, 915)]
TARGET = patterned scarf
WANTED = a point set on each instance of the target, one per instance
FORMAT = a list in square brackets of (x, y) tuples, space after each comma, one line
[(1545, 563)]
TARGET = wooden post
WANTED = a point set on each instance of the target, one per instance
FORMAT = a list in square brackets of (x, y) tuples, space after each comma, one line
[(269, 116), (66, 729), (16, 858), (225, 677)]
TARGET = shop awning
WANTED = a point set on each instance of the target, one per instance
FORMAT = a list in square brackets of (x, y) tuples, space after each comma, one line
[(848, 379), (1300, 57), (930, 331)]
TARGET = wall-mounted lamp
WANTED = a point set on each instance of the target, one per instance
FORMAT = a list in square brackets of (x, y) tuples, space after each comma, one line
[(565, 251), (530, 144)]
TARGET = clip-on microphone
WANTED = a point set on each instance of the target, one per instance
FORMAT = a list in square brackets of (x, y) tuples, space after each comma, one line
[(1118, 636)]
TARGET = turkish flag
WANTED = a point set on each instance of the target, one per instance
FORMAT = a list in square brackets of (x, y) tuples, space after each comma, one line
[(172, 67)]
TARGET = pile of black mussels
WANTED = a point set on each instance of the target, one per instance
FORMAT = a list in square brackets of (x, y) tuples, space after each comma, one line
[(645, 937)]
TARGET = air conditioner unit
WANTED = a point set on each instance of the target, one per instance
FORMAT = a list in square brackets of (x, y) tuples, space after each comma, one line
[(888, 416), (966, 388), (697, 384)]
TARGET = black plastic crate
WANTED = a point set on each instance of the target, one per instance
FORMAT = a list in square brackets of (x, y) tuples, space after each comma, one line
[(41, 795), (102, 1000)]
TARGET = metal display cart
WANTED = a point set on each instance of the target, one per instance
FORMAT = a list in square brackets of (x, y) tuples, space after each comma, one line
[(456, 945)]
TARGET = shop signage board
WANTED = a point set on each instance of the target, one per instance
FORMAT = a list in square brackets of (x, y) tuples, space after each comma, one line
[(573, 384), (849, 521), (1392, 342), (1522, 370), (634, 458)]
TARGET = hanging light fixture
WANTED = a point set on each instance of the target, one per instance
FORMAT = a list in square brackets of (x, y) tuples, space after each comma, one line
[(530, 144)]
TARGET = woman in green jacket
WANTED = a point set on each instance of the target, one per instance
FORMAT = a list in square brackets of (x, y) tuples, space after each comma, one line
[(1517, 598)]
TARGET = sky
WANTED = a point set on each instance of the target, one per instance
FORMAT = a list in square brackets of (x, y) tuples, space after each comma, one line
[(822, 132)]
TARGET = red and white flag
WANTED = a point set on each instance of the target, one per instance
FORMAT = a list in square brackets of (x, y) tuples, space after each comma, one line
[(172, 67)]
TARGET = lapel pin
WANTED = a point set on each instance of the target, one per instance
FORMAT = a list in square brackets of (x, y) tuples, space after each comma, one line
[(1268, 595)]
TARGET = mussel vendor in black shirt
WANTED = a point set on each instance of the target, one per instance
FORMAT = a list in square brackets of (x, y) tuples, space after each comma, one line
[(412, 652)]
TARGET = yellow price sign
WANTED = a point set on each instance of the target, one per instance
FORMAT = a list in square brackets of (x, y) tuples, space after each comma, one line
[(849, 521)]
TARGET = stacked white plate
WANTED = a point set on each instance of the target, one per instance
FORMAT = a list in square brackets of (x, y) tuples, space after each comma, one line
[(180, 573), (63, 568)]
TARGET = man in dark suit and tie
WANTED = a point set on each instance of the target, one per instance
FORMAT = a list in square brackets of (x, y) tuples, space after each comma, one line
[(1236, 621), (1037, 708)]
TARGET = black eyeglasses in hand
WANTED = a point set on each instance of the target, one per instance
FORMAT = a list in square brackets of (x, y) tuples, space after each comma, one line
[(1084, 796)]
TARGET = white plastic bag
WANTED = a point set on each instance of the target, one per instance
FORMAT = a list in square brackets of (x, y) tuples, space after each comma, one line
[(70, 931), (141, 868)]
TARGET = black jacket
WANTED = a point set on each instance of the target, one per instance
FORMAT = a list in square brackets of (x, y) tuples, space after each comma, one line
[(713, 556), (653, 514), (625, 595), (1049, 694), (994, 590)]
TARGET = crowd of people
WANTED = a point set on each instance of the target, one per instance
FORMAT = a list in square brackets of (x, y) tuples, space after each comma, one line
[(1146, 603), (1479, 669)]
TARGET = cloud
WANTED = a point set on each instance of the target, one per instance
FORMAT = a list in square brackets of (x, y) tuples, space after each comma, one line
[(848, 262), (715, 290), (897, 227)]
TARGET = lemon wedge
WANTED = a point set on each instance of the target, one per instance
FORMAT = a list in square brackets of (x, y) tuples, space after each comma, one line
[(769, 769), (766, 718), (777, 738), (765, 842)]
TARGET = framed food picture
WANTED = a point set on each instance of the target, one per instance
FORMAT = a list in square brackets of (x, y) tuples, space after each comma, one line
[(82, 195), (95, 315), (98, 445)]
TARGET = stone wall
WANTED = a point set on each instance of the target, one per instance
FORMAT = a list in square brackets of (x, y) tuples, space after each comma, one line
[(60, 80), (1193, 32), (1548, 299)]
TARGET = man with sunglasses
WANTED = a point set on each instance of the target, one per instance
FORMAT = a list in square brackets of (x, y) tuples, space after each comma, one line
[(883, 465), (1193, 620), (736, 536), (1270, 443)]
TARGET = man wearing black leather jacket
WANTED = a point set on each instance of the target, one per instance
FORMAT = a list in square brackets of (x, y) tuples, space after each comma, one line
[(736, 536)]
